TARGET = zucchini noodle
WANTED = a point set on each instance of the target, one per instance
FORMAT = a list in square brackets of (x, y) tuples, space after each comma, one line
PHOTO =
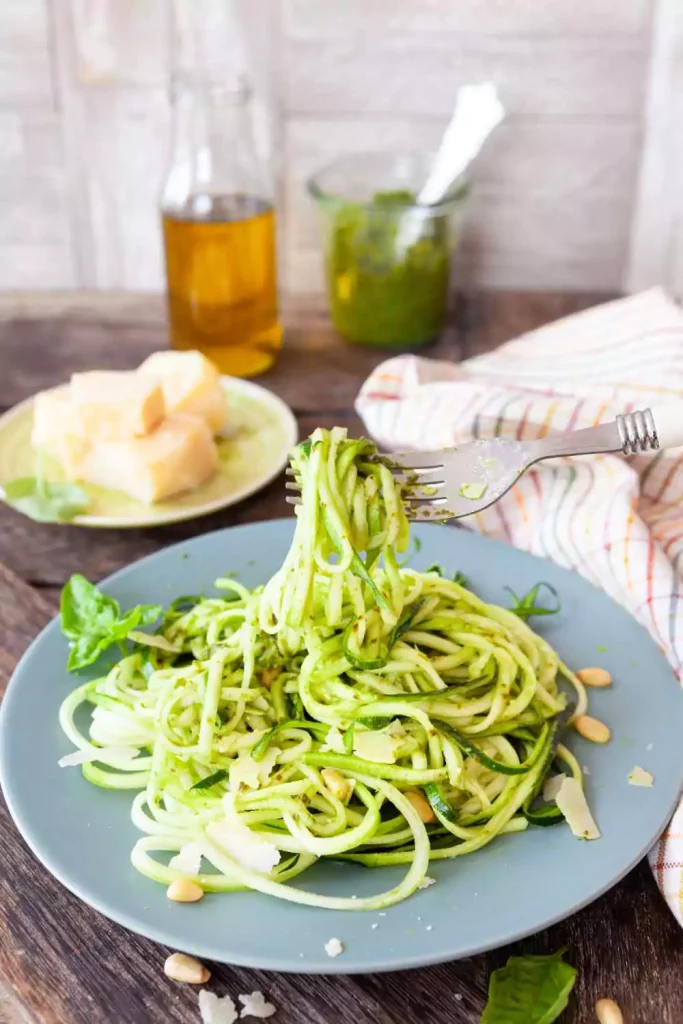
[(352, 708)]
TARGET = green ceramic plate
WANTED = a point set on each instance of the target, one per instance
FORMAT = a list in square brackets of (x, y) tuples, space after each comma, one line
[(514, 887), (261, 430)]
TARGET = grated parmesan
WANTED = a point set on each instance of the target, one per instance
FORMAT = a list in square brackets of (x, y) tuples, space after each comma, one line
[(639, 777), (334, 741), (380, 747), (333, 947), (571, 800), (552, 787), (426, 882), (215, 1010), (256, 1005), (188, 861), (248, 848)]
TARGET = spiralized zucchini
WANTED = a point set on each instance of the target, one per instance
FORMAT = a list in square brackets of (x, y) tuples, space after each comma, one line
[(352, 708)]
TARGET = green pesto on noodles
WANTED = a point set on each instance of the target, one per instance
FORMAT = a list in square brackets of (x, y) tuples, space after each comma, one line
[(352, 708)]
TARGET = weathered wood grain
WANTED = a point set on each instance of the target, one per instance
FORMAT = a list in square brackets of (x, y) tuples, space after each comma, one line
[(60, 962)]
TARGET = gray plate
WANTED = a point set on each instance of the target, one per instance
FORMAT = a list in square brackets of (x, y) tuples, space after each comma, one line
[(516, 886)]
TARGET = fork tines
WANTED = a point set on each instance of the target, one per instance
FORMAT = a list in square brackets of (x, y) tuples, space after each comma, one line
[(421, 478)]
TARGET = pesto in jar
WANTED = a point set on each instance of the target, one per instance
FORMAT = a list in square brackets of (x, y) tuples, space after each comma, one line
[(383, 292)]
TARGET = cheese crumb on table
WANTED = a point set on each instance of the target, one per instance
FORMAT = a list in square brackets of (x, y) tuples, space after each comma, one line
[(639, 777), (334, 947), (426, 882), (215, 1010), (256, 1005)]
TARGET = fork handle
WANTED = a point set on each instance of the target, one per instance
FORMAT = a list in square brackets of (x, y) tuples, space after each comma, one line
[(668, 421), (630, 433)]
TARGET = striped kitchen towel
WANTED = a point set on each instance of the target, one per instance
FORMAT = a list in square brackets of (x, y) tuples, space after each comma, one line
[(618, 522)]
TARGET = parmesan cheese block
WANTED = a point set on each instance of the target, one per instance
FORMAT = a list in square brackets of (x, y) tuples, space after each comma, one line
[(55, 432), (50, 415), (191, 384), (110, 406), (178, 456)]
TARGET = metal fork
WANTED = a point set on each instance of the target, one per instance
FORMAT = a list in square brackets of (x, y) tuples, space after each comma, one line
[(455, 482)]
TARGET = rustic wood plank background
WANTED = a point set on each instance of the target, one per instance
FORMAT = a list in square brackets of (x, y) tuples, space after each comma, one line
[(62, 963), (85, 118)]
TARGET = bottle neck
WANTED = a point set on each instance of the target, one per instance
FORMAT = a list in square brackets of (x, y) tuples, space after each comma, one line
[(213, 150)]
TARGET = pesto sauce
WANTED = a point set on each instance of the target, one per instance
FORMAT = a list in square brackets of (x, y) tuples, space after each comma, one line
[(380, 295)]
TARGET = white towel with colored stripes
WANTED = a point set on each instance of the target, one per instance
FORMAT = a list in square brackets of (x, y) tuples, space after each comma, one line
[(618, 522)]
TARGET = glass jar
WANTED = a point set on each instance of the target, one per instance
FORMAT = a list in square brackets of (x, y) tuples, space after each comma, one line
[(218, 216), (387, 259)]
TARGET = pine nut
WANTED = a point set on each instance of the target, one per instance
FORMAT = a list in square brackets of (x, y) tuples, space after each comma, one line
[(179, 967), (269, 675), (422, 806), (594, 677), (184, 890), (608, 1012), (592, 729), (336, 783)]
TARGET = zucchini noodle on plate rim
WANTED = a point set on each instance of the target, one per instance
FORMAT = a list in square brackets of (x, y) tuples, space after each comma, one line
[(352, 708)]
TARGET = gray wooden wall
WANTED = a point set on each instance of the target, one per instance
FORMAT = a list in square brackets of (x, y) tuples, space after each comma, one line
[(84, 122)]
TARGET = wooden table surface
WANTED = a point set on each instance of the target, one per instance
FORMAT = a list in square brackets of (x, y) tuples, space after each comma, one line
[(62, 963)]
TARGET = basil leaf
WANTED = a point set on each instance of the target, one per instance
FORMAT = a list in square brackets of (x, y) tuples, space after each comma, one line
[(84, 651), (85, 609), (529, 990), (92, 621), (44, 502), (524, 607)]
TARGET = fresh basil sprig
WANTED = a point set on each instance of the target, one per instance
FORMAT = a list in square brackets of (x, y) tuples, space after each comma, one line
[(93, 622)]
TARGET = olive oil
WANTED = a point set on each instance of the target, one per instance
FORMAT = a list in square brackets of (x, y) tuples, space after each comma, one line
[(221, 280)]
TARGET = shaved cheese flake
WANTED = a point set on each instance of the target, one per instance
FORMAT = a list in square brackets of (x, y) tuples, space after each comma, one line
[(552, 786), (639, 777), (571, 800), (107, 755), (334, 742), (214, 1010), (188, 860), (333, 947), (380, 747), (256, 1005), (426, 882), (248, 848), (246, 773)]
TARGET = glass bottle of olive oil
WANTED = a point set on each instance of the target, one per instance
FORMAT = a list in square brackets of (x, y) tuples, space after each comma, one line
[(219, 225)]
